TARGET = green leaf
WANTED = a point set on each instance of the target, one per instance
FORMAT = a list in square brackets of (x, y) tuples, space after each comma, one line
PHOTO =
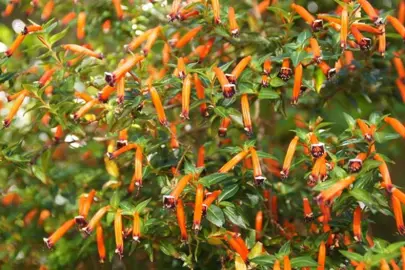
[(265, 260), (395, 247), (303, 261), (220, 111), (285, 249), (362, 195), (4, 77), (352, 255), (115, 199), (140, 206), (303, 36), (127, 208), (215, 215), (233, 216), (277, 82), (58, 36), (39, 173), (214, 178), (298, 56), (268, 93), (262, 154), (228, 192)]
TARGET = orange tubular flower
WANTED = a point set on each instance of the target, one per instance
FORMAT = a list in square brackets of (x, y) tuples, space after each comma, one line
[(151, 40), (170, 201), (207, 49), (259, 225), (232, 163), (397, 210), (122, 138), (136, 229), (137, 41), (401, 88), (85, 108), (87, 203), (396, 125), (106, 26), (81, 24), (211, 197), (32, 28), (223, 128), (384, 265), (297, 83), (357, 224), (30, 216), (81, 50), (122, 150), (247, 122), (119, 242), (185, 98), (240, 67), (100, 243), (200, 157), (327, 70), (59, 233), (47, 11), (403, 257), (285, 71), (94, 221), (367, 28), (181, 220), (321, 256), (385, 173), (58, 133), (335, 189), (175, 9), (201, 95), (137, 177), (363, 42), (188, 37), (316, 24), (120, 72), (369, 9), (355, 164), (288, 157), (399, 66), (382, 43), (174, 143), (158, 106), (198, 208), (344, 22), (287, 263), (257, 170), (8, 10), (235, 245), (105, 93), (365, 129), (46, 77), (265, 81), (233, 24), (166, 54), (216, 10), (13, 111), (394, 265), (181, 68), (401, 11), (68, 18), (316, 50), (118, 9), (43, 216), (308, 214), (267, 67), (17, 42), (276, 265), (187, 14), (228, 89), (397, 193)]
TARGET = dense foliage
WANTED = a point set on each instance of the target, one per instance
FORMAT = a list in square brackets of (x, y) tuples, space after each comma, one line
[(202, 134)]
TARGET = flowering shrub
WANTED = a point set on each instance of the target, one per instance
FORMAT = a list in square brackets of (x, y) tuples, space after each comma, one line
[(202, 134)]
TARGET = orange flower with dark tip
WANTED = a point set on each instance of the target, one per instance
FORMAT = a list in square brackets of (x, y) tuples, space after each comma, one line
[(105, 93), (100, 243), (119, 241), (14, 109), (297, 83), (137, 177), (185, 98), (211, 197), (357, 216), (247, 121), (365, 130), (259, 225), (17, 42), (257, 170), (95, 220), (136, 229), (370, 11), (122, 138), (81, 50), (201, 157), (47, 11), (396, 125), (137, 41), (267, 67), (383, 168), (46, 77), (151, 40), (201, 95), (327, 70), (355, 164), (81, 25), (316, 24), (233, 162), (206, 50), (237, 247), (216, 10), (181, 68), (198, 208), (285, 71), (174, 10), (228, 88), (382, 42), (344, 24), (367, 28), (184, 40), (363, 42), (106, 26), (122, 150), (233, 24), (265, 81), (158, 106), (129, 63), (181, 220), (32, 28), (87, 203), (397, 210), (68, 18), (174, 143), (316, 50), (239, 68), (59, 233), (187, 14), (308, 214), (335, 190), (170, 201), (223, 128), (288, 157)]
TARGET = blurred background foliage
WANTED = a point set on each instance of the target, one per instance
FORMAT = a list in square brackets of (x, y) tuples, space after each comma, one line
[(52, 176)]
